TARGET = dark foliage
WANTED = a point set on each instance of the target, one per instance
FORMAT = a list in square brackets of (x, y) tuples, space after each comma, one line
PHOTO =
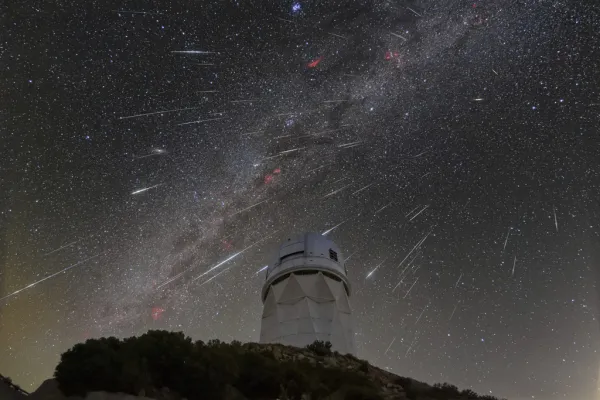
[(407, 385), (363, 366), (160, 359), (218, 370), (440, 391), (468, 393), (89, 367), (358, 393), (320, 348), (443, 391)]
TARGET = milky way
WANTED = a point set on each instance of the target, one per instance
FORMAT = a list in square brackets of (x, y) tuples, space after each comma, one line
[(153, 159)]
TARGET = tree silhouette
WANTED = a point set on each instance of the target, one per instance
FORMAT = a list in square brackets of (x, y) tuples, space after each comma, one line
[(161, 360), (320, 348)]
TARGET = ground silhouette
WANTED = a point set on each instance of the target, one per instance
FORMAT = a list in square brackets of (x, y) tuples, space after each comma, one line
[(169, 365)]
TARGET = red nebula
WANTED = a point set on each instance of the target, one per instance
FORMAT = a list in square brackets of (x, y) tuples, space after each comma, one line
[(268, 179), (314, 63), (227, 245), (156, 312), (277, 171), (389, 55)]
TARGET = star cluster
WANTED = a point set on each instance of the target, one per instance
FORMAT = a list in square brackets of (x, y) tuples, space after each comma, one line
[(155, 154)]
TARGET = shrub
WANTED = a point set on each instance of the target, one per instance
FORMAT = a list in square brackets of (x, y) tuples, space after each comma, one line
[(160, 359), (407, 385), (260, 377), (89, 366), (320, 348), (469, 394), (363, 366), (360, 393)]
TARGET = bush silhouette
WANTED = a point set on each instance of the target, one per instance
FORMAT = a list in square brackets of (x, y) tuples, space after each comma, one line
[(160, 359), (217, 370), (363, 366), (468, 393), (320, 348), (260, 377), (89, 366), (359, 393)]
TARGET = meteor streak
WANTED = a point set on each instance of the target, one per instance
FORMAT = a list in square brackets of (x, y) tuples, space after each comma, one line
[(284, 152), (159, 112), (375, 269), (212, 277), (296, 112), (418, 319), (384, 207), (414, 248), (192, 52), (452, 315), (261, 270), (155, 152), (411, 288), (399, 36), (62, 247), (199, 121), (331, 229), (135, 12), (412, 211), (48, 277), (506, 240), (350, 256), (175, 277), (417, 214), (388, 348), (232, 257), (416, 13), (145, 189), (247, 208), (459, 278), (351, 144), (333, 34), (338, 190), (360, 190)]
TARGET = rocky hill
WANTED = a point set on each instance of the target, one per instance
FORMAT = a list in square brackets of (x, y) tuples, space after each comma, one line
[(169, 366), (10, 391)]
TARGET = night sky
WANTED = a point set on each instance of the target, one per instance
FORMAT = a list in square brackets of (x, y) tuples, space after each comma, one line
[(154, 154)]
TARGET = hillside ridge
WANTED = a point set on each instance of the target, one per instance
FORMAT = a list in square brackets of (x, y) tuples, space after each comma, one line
[(165, 365)]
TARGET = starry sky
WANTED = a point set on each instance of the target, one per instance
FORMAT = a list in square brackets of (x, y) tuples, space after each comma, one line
[(154, 154)]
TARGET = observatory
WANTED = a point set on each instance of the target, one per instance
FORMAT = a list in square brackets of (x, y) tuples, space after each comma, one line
[(306, 295)]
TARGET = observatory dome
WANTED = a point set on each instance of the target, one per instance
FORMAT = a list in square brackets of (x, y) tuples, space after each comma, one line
[(306, 295)]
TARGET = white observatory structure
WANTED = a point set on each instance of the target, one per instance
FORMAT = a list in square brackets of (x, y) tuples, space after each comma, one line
[(306, 295)]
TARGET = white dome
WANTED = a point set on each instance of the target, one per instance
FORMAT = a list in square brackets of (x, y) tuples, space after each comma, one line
[(306, 295)]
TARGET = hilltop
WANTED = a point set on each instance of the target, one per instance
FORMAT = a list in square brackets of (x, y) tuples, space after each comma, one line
[(170, 366)]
